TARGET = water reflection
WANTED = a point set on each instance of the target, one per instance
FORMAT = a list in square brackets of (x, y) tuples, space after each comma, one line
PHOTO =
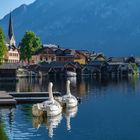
[(50, 122), (53, 122), (70, 113), (9, 112), (79, 86), (3, 135), (73, 81), (19, 123)]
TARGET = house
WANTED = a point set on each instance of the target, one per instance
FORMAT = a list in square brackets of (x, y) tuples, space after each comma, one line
[(122, 66), (64, 55), (80, 57), (95, 68), (45, 53), (119, 69), (97, 57), (137, 60), (13, 55), (56, 68)]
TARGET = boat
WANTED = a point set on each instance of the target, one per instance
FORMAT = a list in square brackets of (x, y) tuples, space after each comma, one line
[(69, 100), (50, 106)]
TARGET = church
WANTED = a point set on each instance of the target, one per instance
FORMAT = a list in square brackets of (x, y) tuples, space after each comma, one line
[(13, 55)]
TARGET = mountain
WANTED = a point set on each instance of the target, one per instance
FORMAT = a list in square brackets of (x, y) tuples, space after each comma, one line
[(110, 26)]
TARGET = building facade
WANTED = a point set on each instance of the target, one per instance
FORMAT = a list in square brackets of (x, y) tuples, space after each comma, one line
[(13, 55)]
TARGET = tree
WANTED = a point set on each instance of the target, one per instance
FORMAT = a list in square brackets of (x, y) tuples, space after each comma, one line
[(3, 48), (28, 46)]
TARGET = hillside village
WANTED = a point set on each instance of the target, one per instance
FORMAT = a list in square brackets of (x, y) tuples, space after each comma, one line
[(51, 59)]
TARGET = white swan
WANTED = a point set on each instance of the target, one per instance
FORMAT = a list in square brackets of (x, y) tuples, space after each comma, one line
[(51, 106), (69, 100)]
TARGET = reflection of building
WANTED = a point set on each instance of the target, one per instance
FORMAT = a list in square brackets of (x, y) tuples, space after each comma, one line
[(82, 88), (13, 53)]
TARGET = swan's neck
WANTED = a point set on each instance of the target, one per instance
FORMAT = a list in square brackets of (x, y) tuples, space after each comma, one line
[(38, 106), (50, 92), (68, 88)]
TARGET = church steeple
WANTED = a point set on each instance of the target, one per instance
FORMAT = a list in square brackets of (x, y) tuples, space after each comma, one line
[(11, 37)]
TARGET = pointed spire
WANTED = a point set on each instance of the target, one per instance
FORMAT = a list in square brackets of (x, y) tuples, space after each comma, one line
[(11, 37)]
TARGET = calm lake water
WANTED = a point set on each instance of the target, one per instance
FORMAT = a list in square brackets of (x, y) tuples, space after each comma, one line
[(109, 110)]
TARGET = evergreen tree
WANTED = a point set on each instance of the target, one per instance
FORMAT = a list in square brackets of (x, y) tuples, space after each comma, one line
[(3, 48), (29, 44)]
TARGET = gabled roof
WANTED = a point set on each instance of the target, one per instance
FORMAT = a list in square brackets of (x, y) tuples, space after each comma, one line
[(96, 63), (43, 50), (116, 59), (95, 56)]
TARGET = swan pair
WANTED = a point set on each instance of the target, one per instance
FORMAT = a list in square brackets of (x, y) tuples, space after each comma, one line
[(53, 107)]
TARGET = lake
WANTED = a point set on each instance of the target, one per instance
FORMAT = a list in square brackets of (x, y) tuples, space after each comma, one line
[(109, 110)]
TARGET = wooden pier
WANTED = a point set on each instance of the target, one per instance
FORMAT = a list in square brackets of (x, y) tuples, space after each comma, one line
[(12, 98), (31, 97), (6, 99)]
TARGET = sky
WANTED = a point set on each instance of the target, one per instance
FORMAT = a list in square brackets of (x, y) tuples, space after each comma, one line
[(8, 5)]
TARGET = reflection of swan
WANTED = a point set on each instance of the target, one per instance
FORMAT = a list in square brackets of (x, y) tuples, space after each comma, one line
[(69, 99), (37, 109), (37, 121), (70, 113), (72, 80), (52, 122), (51, 106)]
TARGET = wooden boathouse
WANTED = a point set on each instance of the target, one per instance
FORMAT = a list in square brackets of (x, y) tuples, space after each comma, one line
[(8, 71)]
